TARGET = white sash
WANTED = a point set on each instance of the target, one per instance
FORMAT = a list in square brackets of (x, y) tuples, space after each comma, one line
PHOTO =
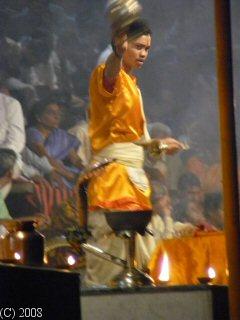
[(130, 155)]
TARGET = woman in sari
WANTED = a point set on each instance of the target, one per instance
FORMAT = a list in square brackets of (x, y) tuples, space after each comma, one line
[(51, 153)]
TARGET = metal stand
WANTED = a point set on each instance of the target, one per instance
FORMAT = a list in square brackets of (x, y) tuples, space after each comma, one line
[(131, 277)]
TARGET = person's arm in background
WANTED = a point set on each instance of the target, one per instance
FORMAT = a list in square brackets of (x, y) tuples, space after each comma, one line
[(38, 168), (74, 159), (41, 164), (40, 150), (84, 151)]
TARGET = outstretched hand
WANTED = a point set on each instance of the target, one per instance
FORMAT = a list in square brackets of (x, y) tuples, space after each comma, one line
[(167, 146)]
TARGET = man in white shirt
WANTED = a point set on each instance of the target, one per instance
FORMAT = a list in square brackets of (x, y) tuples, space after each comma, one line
[(12, 132)]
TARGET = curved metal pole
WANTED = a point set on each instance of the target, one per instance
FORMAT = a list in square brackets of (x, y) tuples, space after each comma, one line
[(228, 150)]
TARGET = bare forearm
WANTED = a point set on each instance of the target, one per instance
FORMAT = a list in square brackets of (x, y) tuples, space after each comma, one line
[(40, 150), (64, 172)]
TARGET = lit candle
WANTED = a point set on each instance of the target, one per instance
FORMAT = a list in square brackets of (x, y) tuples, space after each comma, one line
[(211, 273), (164, 274)]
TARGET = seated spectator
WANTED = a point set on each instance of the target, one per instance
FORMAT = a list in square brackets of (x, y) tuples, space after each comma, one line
[(54, 145), (190, 188), (189, 207), (12, 133), (7, 162), (51, 154)]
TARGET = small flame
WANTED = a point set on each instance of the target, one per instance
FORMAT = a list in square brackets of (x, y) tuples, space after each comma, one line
[(20, 235), (45, 259), (211, 273), (17, 256), (71, 260), (227, 272), (164, 274)]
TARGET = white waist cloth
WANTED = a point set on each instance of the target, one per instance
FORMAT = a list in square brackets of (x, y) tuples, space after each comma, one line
[(126, 153), (130, 155)]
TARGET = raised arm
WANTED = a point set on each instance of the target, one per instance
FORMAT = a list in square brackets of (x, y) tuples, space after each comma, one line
[(114, 62)]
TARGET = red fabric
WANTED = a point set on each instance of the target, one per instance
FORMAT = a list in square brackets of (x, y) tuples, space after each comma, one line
[(50, 197)]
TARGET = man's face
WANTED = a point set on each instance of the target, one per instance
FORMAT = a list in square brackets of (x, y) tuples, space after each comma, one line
[(137, 52)]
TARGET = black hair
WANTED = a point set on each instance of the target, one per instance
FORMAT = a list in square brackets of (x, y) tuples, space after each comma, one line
[(7, 160), (39, 108), (135, 29), (138, 28)]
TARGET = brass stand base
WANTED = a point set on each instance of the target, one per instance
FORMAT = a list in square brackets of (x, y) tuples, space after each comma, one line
[(131, 279)]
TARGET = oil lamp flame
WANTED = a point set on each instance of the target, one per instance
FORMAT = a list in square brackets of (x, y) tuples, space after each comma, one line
[(17, 256), (45, 259), (211, 273), (71, 260), (164, 274)]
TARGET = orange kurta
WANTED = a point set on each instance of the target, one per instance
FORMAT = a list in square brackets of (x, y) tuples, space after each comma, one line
[(115, 118)]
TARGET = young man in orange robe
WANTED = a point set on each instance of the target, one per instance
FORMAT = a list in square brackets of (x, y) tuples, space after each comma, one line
[(117, 129)]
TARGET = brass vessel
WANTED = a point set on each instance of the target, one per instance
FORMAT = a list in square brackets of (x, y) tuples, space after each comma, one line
[(121, 13), (21, 243)]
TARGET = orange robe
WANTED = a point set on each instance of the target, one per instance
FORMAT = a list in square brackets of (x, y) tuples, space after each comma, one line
[(115, 117)]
